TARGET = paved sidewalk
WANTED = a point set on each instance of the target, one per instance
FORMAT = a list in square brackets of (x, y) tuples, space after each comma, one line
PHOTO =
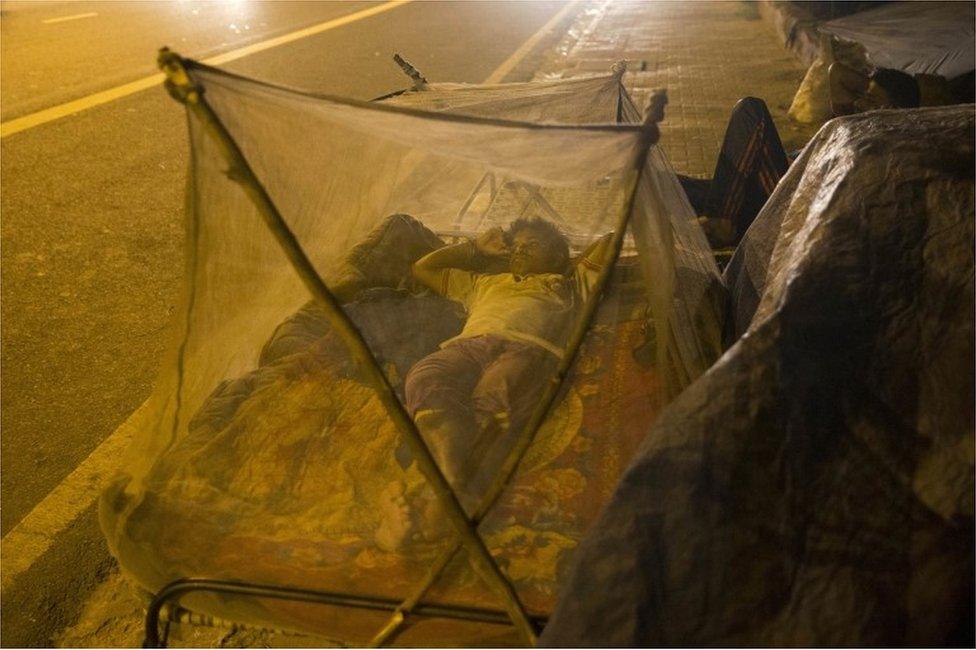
[(707, 55)]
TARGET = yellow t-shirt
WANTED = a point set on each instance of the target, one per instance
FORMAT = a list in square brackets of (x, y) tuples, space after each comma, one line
[(538, 308)]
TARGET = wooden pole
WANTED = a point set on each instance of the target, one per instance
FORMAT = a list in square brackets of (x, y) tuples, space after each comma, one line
[(181, 88), (651, 134)]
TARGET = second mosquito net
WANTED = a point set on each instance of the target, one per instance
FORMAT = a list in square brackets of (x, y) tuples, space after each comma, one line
[(480, 260)]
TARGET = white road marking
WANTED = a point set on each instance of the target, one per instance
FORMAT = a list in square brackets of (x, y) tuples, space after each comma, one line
[(29, 539), (35, 533), (509, 64), (70, 108), (63, 19)]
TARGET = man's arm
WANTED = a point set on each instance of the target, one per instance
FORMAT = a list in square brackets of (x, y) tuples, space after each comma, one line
[(430, 270), (597, 254), (589, 265)]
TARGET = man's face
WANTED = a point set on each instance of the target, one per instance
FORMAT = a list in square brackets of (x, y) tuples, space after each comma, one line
[(530, 254), (874, 97)]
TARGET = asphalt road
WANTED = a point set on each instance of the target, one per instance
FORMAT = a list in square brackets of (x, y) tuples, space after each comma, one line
[(92, 203)]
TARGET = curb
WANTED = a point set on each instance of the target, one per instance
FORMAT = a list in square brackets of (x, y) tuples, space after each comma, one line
[(795, 27)]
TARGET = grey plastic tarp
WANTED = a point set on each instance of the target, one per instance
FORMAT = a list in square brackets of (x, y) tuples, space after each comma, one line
[(815, 487), (916, 37)]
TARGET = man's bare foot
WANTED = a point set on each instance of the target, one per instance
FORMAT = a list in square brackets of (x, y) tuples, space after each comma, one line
[(396, 524), (846, 86), (852, 91), (719, 232)]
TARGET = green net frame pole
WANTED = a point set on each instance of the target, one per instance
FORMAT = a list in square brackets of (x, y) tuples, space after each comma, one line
[(178, 84), (650, 136)]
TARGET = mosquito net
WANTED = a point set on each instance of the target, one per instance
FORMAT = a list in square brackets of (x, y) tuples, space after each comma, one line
[(526, 286)]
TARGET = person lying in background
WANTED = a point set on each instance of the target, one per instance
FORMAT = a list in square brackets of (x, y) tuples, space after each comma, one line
[(752, 159), (750, 163), (854, 91)]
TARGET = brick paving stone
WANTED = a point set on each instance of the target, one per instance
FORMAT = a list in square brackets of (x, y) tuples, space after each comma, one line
[(708, 55)]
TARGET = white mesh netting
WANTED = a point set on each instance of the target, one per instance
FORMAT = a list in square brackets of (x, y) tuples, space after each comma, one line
[(263, 455)]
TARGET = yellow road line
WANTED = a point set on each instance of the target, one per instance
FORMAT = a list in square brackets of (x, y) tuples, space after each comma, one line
[(64, 19), (63, 110), (303, 33), (70, 108), (509, 64)]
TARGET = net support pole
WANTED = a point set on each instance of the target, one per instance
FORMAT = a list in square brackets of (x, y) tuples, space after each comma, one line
[(419, 80), (650, 136), (182, 89), (618, 69)]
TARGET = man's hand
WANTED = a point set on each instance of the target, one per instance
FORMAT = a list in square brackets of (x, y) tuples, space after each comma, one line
[(492, 243), (431, 270)]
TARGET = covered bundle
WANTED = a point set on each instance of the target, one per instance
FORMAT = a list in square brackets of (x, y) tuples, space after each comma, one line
[(419, 341), (815, 486), (935, 38)]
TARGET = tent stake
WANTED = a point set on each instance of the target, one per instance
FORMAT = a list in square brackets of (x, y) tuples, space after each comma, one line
[(180, 86), (651, 134)]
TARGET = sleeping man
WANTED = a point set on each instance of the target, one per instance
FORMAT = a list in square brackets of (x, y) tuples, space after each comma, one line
[(473, 396)]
